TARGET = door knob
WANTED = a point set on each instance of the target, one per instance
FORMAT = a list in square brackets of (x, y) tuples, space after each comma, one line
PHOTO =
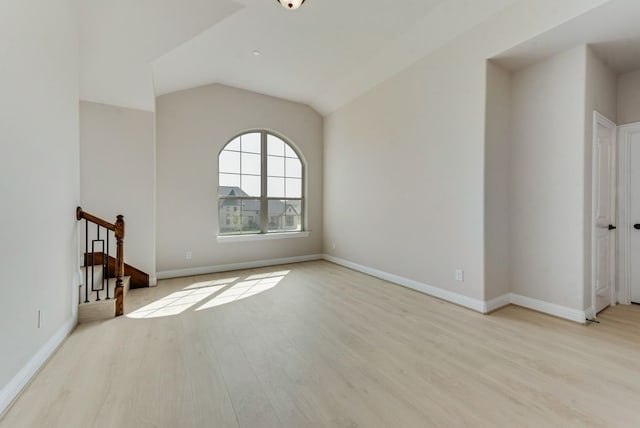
[(636, 226), (612, 227)]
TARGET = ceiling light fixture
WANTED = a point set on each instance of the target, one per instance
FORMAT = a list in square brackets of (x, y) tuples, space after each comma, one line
[(291, 4)]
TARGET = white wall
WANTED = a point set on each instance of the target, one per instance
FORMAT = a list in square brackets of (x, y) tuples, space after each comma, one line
[(516, 165), (192, 128), (601, 95), (39, 184), (601, 92), (548, 180), (117, 168), (629, 97), (497, 153), (407, 158)]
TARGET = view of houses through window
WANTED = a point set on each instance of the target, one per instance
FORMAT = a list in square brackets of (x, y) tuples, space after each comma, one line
[(260, 186)]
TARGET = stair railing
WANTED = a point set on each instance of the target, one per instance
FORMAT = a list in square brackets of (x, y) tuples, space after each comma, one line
[(100, 241)]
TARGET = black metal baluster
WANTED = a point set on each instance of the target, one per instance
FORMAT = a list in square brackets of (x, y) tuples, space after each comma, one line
[(86, 261), (106, 263), (93, 251)]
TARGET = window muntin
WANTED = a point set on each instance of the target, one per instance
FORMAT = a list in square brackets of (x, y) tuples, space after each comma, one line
[(261, 186)]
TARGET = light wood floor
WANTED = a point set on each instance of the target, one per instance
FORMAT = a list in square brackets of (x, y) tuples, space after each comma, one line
[(326, 346)]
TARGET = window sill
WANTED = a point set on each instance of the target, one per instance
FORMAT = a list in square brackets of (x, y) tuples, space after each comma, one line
[(260, 237)]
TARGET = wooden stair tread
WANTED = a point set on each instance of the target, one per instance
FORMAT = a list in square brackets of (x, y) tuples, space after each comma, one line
[(139, 279)]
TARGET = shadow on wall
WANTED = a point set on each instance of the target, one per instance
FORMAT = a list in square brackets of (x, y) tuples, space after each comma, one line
[(209, 294)]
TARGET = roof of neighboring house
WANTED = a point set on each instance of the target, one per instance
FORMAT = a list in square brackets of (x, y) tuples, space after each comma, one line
[(276, 207), (290, 206), (231, 191)]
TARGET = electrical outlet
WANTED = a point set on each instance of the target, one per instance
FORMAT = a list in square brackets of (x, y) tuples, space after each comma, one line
[(188, 255), (459, 275)]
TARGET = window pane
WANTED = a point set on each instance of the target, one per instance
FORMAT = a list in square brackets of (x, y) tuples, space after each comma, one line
[(275, 187), (229, 161), (288, 152), (251, 142), (285, 215), (229, 209), (294, 188), (275, 146), (239, 216), (294, 168), (234, 145), (251, 185), (250, 163), (229, 180), (275, 166), (251, 215)]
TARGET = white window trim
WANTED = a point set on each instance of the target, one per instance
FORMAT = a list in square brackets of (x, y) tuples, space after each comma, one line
[(227, 239), (264, 198)]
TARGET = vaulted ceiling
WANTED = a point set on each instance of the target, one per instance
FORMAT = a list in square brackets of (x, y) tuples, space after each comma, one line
[(323, 54), (119, 39)]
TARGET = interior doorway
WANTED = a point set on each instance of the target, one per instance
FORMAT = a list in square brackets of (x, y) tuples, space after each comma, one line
[(629, 213), (603, 236)]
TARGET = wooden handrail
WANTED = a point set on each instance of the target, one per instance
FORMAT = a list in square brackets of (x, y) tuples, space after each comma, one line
[(118, 229), (80, 214)]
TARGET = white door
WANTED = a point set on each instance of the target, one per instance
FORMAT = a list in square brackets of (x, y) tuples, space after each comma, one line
[(634, 212), (603, 235)]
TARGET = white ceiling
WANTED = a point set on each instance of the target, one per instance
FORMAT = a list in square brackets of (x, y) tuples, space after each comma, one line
[(613, 30), (120, 38), (323, 54)]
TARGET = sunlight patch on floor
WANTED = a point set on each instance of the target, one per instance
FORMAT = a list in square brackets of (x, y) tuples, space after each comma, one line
[(224, 281), (242, 290), (174, 303), (223, 291)]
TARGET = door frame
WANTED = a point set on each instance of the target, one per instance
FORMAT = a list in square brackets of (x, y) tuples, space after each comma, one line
[(599, 119), (625, 132)]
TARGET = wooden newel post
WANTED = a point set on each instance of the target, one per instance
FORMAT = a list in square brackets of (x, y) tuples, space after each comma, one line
[(119, 292)]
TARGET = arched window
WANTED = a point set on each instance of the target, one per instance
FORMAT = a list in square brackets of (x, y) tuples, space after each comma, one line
[(261, 185)]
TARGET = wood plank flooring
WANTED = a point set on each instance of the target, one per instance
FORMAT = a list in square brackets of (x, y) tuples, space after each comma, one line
[(317, 345)]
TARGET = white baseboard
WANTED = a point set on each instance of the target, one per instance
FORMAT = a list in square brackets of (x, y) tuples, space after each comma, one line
[(11, 391), (153, 281), (497, 303), (235, 266), (468, 302), (549, 308), (458, 299), (449, 296)]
